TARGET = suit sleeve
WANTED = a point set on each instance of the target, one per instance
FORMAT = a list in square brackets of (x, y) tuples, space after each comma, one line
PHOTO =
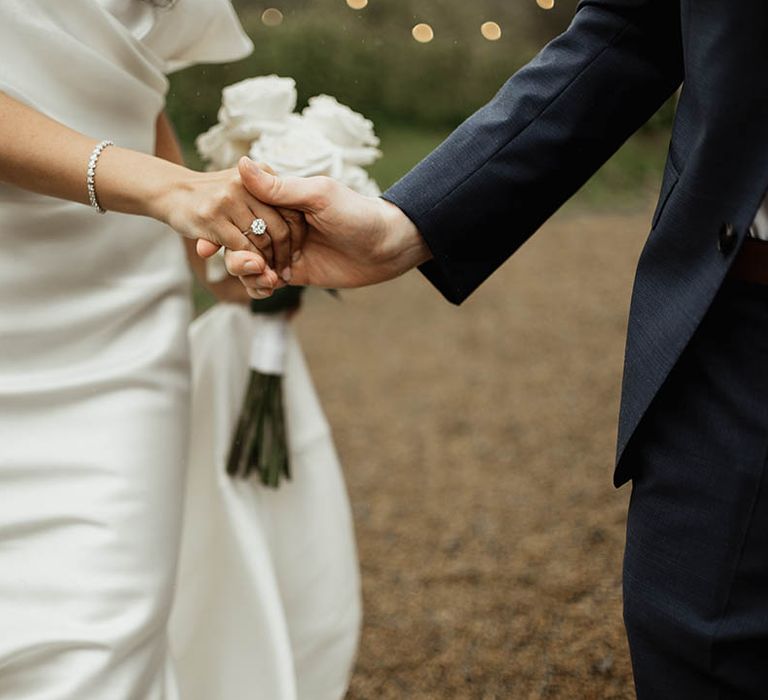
[(508, 168)]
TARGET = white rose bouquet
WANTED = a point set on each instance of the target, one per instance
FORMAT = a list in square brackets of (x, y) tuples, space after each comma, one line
[(258, 118)]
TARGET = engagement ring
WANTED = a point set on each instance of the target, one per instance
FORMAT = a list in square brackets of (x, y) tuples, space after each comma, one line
[(258, 227)]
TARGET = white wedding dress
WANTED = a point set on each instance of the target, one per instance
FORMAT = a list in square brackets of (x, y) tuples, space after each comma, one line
[(94, 419)]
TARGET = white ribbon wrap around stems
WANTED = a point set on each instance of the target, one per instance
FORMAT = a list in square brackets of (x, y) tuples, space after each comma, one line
[(269, 343), (268, 347)]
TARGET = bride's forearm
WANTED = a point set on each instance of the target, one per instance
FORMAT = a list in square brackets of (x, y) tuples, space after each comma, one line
[(42, 155)]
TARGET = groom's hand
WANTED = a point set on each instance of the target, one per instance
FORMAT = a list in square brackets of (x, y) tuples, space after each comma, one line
[(352, 240)]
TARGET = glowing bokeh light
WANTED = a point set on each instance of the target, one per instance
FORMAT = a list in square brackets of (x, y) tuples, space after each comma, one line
[(491, 31), (545, 4), (272, 17), (357, 4), (423, 33)]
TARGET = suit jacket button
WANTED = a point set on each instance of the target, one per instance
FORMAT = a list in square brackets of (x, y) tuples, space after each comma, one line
[(727, 238)]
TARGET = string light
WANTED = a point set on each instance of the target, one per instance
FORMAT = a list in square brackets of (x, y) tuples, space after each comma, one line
[(491, 31), (545, 4), (272, 17), (357, 4), (423, 33)]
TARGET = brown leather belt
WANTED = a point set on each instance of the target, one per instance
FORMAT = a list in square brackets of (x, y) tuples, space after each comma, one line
[(751, 263)]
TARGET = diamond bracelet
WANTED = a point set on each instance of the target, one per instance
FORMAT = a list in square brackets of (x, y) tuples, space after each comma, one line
[(92, 175)]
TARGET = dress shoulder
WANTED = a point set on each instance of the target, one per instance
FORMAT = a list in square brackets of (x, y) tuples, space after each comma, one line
[(185, 32)]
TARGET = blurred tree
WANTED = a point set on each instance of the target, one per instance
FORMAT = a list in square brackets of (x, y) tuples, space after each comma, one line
[(369, 59)]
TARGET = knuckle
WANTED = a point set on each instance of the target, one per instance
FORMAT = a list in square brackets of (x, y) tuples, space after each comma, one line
[(235, 242), (234, 187), (261, 243), (205, 213), (324, 188), (249, 277), (281, 231)]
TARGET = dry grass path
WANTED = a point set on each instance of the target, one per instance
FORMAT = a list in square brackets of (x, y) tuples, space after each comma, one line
[(478, 446)]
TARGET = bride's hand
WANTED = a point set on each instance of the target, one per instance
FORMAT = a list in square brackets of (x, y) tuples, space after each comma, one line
[(228, 290), (215, 207), (212, 207)]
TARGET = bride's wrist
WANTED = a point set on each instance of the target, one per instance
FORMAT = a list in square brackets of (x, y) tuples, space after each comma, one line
[(136, 183), (163, 199)]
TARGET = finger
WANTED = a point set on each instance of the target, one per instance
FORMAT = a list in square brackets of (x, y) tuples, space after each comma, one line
[(279, 233), (261, 286), (245, 214), (298, 227), (304, 194), (259, 293), (230, 236), (241, 263), (301, 273), (286, 243), (206, 249), (268, 168), (266, 280)]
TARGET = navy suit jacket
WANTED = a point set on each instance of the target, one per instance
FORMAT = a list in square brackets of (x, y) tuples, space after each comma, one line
[(507, 169)]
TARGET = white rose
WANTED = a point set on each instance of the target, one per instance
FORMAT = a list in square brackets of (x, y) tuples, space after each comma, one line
[(354, 177), (301, 151), (352, 132), (218, 149), (257, 106)]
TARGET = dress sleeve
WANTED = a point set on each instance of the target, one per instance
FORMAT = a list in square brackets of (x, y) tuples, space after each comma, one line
[(197, 31)]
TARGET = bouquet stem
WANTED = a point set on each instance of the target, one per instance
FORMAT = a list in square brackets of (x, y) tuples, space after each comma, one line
[(260, 443)]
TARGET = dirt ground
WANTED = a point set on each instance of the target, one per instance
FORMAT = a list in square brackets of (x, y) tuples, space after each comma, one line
[(478, 445)]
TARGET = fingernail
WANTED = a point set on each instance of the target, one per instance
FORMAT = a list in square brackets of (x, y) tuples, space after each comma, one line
[(253, 265), (262, 293), (252, 166), (287, 274), (296, 256)]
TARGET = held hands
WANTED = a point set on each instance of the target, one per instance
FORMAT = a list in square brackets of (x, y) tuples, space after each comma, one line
[(350, 241), (216, 207)]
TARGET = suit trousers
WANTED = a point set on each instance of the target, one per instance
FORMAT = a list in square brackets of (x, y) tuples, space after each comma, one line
[(696, 560)]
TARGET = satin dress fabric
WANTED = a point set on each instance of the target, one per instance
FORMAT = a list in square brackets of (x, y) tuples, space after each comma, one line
[(94, 369), (268, 598)]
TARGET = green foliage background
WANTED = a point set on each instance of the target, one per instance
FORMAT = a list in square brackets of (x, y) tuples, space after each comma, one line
[(416, 93)]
